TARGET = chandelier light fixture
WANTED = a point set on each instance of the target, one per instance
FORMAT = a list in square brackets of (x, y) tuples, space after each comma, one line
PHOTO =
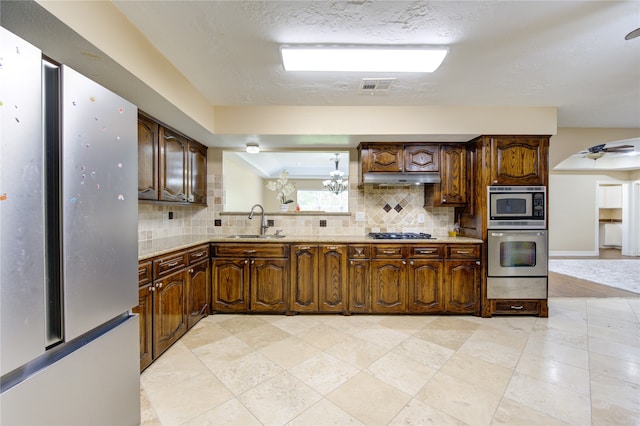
[(362, 58), (337, 183)]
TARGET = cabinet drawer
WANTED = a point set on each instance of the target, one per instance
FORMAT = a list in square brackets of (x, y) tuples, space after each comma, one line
[(168, 264), (144, 273), (463, 251), (359, 251), (251, 250), (197, 254), (389, 251), (517, 307), (427, 251)]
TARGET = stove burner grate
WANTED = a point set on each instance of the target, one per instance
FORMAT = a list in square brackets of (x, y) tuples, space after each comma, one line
[(399, 235)]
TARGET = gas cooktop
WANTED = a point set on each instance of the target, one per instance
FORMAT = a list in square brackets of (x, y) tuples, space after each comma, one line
[(400, 236)]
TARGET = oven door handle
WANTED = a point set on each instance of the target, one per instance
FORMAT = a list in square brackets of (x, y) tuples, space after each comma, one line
[(502, 234)]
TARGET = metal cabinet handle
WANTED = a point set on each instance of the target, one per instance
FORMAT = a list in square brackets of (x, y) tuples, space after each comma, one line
[(517, 307), (463, 251), (332, 248), (246, 261), (159, 285), (426, 251), (249, 251), (389, 251), (151, 288), (477, 262), (200, 254), (444, 200), (191, 271), (404, 262), (305, 248), (411, 262), (170, 264)]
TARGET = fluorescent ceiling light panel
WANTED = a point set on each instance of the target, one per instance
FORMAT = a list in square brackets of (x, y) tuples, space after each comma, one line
[(362, 59)]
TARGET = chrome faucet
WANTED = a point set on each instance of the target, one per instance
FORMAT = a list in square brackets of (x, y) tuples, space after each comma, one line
[(263, 225)]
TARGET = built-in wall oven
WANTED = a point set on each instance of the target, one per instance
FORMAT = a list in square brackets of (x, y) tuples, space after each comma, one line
[(517, 251), (517, 264)]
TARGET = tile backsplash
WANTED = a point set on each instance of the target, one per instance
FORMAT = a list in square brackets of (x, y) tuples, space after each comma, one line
[(393, 209), (386, 209)]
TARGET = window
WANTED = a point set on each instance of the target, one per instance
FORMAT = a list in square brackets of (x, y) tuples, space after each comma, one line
[(323, 200)]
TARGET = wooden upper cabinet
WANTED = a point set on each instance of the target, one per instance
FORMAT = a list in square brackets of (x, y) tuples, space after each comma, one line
[(421, 158), (197, 173), (453, 185), (147, 158), (519, 160), (383, 158), (173, 166)]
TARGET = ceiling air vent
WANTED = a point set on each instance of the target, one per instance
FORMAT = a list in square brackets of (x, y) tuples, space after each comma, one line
[(375, 86)]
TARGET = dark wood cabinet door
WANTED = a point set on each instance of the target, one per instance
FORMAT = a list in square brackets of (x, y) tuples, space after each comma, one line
[(425, 286), (462, 286), (197, 173), (199, 293), (388, 286), (169, 318), (304, 279), (421, 158), (359, 296), (519, 160), (145, 314), (332, 278), (384, 158), (269, 284), (147, 159), (453, 186), (173, 166), (230, 285)]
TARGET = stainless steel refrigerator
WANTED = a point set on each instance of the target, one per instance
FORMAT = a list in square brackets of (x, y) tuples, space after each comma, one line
[(68, 245)]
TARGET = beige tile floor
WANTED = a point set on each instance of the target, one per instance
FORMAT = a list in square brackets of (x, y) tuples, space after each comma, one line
[(580, 366)]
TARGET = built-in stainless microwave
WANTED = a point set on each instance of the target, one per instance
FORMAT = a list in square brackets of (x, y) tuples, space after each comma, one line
[(516, 207)]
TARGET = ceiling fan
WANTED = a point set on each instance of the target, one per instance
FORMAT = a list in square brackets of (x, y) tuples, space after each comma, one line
[(598, 151)]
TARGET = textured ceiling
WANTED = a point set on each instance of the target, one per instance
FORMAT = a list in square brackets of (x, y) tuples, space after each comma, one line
[(568, 54)]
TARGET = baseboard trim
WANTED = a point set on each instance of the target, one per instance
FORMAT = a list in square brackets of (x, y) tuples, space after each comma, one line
[(572, 253)]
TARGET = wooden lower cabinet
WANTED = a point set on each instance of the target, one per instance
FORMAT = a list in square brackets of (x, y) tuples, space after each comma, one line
[(388, 286), (250, 278), (318, 278), (425, 286), (462, 286), (304, 278), (174, 294), (230, 285), (359, 299), (199, 292), (332, 268), (269, 285), (169, 311), (145, 313)]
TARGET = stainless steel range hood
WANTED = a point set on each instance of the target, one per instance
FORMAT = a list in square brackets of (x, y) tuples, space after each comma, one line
[(400, 179)]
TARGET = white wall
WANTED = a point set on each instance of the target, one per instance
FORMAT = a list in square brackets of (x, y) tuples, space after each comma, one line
[(573, 220), (240, 176)]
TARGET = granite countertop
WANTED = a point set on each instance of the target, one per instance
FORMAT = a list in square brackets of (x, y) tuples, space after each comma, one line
[(160, 246)]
